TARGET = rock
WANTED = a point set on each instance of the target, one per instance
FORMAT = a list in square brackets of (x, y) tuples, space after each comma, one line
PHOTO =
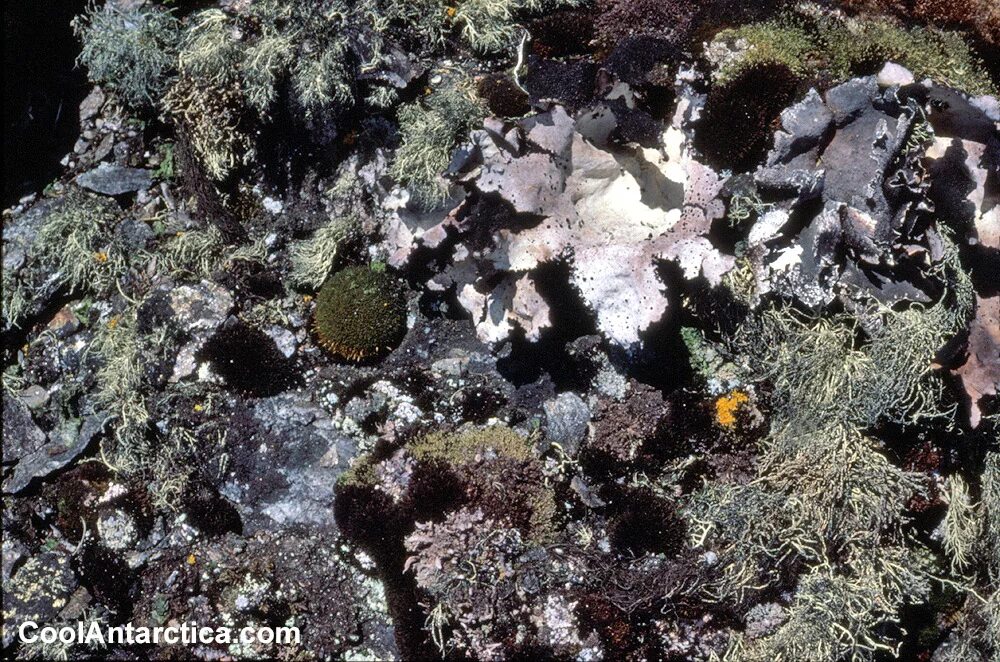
[(201, 307), (111, 179), (13, 551), (21, 436), (35, 397), (91, 105), (893, 75), (65, 444), (566, 419), (587, 495), (802, 127), (38, 591), (284, 473), (117, 530), (283, 339), (850, 99), (104, 147), (65, 323), (134, 234)]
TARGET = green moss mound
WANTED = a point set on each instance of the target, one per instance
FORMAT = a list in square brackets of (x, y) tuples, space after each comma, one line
[(360, 313)]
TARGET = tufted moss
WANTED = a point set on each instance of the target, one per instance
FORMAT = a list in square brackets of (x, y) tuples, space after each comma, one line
[(500, 473), (748, 104), (456, 449), (816, 45), (360, 313)]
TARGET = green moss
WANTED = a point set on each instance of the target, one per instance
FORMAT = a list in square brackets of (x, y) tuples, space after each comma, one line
[(461, 448), (430, 130), (784, 41), (131, 50), (361, 473), (813, 44), (360, 313)]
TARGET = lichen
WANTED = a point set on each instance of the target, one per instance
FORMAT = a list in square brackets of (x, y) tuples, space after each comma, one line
[(131, 49), (312, 259), (429, 130)]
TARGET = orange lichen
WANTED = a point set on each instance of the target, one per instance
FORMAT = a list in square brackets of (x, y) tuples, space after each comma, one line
[(727, 406)]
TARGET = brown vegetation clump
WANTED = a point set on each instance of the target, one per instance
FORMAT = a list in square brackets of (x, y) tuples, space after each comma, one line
[(747, 106)]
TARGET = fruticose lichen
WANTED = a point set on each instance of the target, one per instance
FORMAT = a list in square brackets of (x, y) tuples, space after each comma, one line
[(130, 49)]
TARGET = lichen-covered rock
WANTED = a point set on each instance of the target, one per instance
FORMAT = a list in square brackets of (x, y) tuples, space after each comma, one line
[(613, 213), (38, 591), (111, 179)]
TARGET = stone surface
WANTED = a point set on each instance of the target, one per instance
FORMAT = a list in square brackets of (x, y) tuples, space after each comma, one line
[(893, 74), (566, 419), (134, 234), (115, 179), (91, 104), (64, 445)]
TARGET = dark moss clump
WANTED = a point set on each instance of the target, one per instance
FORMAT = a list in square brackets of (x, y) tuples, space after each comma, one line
[(670, 19), (360, 313), (248, 360), (747, 106), (563, 33), (503, 96)]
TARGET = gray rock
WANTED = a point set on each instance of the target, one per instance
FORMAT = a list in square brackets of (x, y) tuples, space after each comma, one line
[(848, 100), (13, 551), (566, 419), (91, 105), (134, 235), (21, 436), (38, 591), (201, 307), (289, 476), (283, 339), (893, 74), (65, 444), (586, 494), (111, 179), (35, 397), (802, 127)]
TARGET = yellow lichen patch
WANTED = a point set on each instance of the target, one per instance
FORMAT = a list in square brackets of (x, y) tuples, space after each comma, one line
[(192, 559), (101, 257), (727, 406)]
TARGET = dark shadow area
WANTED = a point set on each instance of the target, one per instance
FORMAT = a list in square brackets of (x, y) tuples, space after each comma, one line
[(42, 92)]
